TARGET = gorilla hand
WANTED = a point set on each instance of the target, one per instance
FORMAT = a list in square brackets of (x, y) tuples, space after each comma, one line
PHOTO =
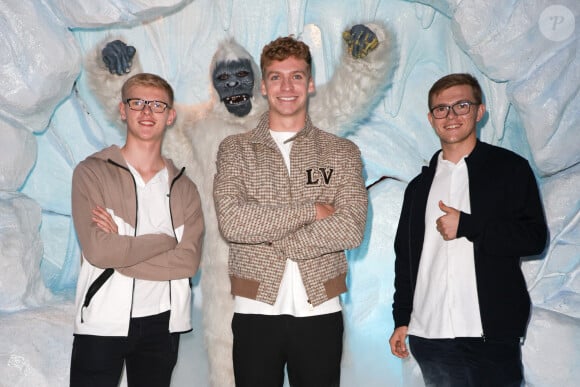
[(118, 57), (361, 40)]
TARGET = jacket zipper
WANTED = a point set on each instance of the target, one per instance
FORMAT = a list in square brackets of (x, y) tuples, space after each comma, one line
[(173, 228), (104, 276)]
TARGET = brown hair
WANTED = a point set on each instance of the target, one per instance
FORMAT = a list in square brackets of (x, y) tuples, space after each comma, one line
[(457, 79), (149, 80), (283, 48)]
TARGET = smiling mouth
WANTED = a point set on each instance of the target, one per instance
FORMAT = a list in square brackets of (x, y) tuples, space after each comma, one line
[(236, 99)]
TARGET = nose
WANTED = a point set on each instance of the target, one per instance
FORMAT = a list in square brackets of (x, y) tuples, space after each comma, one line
[(286, 84), (147, 109), (232, 83)]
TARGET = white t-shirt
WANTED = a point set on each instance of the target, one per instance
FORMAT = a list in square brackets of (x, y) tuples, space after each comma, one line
[(445, 304), (292, 298)]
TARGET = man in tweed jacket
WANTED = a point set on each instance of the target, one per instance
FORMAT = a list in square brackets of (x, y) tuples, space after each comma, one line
[(290, 198)]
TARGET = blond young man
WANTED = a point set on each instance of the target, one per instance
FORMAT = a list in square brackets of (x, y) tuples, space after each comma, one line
[(140, 224)]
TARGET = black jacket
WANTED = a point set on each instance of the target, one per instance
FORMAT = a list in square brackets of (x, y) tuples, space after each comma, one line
[(506, 222)]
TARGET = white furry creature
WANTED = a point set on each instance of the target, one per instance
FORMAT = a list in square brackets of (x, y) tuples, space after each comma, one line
[(236, 104)]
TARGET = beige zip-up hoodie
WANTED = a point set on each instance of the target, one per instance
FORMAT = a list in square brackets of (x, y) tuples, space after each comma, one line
[(110, 262)]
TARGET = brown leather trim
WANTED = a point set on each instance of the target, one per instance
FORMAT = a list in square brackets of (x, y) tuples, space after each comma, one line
[(244, 287), (335, 286)]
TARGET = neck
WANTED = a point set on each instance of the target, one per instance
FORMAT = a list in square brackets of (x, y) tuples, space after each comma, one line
[(145, 158), (293, 123), (455, 152)]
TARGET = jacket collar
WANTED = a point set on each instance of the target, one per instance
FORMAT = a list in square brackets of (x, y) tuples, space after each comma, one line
[(113, 154), (477, 152), (262, 132), (472, 157)]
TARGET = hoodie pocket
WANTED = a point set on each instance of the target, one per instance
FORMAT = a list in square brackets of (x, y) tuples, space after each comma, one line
[(95, 286)]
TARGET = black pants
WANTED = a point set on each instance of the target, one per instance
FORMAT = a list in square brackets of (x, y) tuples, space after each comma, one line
[(468, 362), (149, 353), (310, 348)]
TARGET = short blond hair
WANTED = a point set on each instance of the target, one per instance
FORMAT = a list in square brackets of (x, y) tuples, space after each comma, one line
[(149, 80)]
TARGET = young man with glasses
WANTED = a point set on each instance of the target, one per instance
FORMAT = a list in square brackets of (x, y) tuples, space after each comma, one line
[(466, 221), (290, 198), (139, 223)]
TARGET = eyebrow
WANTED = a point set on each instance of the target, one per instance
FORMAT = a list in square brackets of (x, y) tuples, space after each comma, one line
[(280, 72), (452, 103)]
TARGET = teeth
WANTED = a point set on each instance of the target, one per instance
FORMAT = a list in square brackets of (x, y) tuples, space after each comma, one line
[(235, 99)]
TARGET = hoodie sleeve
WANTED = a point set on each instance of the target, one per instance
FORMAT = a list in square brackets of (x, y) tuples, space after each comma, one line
[(183, 260), (102, 249)]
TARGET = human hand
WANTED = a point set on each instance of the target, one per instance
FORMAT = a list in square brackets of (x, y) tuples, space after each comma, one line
[(360, 40), (447, 224), (323, 210), (398, 342), (104, 220), (118, 57)]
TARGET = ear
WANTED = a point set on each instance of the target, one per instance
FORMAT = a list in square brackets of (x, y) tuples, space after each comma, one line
[(431, 119), (480, 112), (122, 111), (171, 117), (311, 87), (263, 88)]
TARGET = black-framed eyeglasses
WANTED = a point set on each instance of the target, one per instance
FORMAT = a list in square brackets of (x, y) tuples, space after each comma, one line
[(459, 108), (139, 104)]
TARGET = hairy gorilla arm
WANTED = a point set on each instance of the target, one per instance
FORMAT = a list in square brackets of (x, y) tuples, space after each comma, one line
[(362, 74), (107, 67)]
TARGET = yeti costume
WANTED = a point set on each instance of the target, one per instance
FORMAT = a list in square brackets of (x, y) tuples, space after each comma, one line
[(194, 139)]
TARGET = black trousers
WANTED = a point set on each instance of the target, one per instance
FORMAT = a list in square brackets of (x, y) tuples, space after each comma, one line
[(468, 362), (310, 348), (149, 353)]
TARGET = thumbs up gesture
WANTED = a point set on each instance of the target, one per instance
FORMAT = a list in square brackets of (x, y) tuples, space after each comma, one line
[(447, 224)]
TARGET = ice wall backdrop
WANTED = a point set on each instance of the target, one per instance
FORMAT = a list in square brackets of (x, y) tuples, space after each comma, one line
[(524, 52)]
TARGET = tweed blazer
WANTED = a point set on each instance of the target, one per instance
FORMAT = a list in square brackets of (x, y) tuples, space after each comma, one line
[(268, 215)]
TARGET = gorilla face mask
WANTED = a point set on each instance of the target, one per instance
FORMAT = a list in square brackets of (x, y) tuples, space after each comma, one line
[(234, 83)]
